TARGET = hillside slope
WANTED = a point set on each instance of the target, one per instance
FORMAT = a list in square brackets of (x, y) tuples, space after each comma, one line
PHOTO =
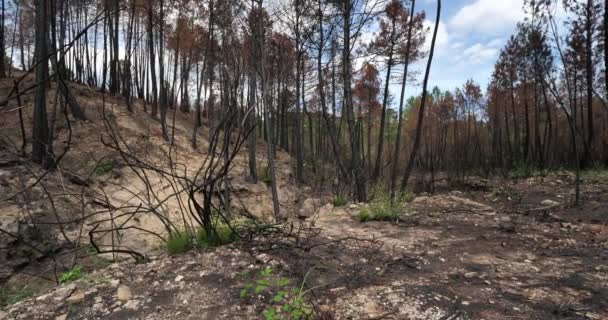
[(96, 186)]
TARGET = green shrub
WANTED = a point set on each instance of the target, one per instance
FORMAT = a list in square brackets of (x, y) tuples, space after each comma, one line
[(265, 175), (381, 208), (286, 302), (103, 167), (364, 215), (72, 275), (179, 242), (596, 173), (379, 211), (221, 235), (9, 297), (340, 201), (525, 170), (406, 196)]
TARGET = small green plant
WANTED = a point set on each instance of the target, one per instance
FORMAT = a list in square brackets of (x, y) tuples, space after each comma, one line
[(221, 235), (525, 170), (285, 302), (340, 201), (381, 208), (364, 215), (179, 242), (406, 196), (265, 175), (596, 173), (12, 296), (72, 275), (103, 167)]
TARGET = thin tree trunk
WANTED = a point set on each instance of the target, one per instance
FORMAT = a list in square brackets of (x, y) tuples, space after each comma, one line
[(401, 101), (379, 162), (410, 164)]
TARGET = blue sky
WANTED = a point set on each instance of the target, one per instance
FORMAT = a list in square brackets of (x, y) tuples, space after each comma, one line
[(471, 34)]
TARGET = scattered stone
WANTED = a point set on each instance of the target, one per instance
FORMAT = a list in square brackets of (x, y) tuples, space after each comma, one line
[(132, 305), (325, 308), (262, 258), (471, 275), (76, 297), (60, 294), (549, 202), (124, 293), (78, 180), (114, 282), (309, 208), (62, 317), (179, 278)]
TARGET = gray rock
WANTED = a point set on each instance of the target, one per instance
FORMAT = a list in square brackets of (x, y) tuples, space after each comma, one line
[(133, 305), (263, 258), (549, 202), (309, 208), (124, 293), (77, 297)]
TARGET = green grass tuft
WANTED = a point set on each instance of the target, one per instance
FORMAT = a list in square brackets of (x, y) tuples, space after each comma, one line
[(72, 275), (381, 208), (340, 201), (523, 171), (9, 297), (103, 168), (265, 175), (222, 235), (179, 242), (596, 174)]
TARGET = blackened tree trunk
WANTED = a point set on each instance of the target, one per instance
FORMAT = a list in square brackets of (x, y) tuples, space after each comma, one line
[(356, 171), (114, 63), (42, 141), (163, 86), (410, 164), (589, 73), (379, 161), (2, 44), (152, 61), (298, 130), (606, 48), (401, 101)]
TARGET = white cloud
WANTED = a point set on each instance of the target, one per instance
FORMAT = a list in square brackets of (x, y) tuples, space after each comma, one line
[(488, 16), (442, 37), (479, 53)]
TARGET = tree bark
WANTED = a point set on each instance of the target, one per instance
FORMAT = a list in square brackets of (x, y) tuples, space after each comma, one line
[(410, 164), (42, 141)]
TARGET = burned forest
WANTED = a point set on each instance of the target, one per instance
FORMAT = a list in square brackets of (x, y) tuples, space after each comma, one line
[(304, 159)]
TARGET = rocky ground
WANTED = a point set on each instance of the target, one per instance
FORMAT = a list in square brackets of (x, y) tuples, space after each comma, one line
[(485, 249), (511, 249)]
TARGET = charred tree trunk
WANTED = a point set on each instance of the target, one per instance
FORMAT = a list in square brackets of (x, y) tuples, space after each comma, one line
[(42, 141), (410, 164)]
